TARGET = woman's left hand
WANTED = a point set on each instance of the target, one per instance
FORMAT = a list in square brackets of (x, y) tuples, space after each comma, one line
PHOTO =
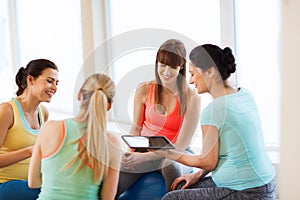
[(133, 159), (189, 180)]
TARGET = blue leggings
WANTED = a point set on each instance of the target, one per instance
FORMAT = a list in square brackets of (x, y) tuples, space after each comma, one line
[(17, 189)]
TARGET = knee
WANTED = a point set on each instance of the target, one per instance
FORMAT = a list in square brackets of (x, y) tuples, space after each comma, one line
[(170, 168), (167, 196)]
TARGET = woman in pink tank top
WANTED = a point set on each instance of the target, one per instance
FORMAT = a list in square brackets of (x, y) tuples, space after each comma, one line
[(166, 106)]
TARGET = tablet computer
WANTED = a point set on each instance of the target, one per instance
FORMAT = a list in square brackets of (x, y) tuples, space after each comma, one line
[(147, 142)]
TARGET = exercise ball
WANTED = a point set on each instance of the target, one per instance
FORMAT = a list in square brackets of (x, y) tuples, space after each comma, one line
[(150, 186)]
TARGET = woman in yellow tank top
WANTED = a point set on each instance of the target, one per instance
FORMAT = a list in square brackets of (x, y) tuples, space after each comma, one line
[(20, 121)]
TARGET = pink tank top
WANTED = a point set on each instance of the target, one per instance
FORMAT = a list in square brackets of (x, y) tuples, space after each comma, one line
[(161, 125)]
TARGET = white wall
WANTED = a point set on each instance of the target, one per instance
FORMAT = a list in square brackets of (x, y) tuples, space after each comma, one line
[(289, 173)]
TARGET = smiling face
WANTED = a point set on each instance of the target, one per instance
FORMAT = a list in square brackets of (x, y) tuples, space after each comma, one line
[(44, 86), (167, 74), (198, 79)]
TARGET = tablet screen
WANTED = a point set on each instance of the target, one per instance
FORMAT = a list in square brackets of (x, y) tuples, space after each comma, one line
[(147, 142)]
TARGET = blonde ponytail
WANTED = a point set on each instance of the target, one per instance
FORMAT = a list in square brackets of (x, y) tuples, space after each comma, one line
[(96, 144), (97, 92)]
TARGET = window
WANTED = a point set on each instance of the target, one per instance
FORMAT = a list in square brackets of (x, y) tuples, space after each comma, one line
[(150, 23), (37, 28), (254, 42), (51, 30), (257, 31), (6, 75), (187, 21)]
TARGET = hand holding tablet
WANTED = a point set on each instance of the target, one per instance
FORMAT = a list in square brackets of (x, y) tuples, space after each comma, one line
[(147, 142)]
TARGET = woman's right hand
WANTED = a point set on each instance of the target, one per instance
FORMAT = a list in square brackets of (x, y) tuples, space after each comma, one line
[(132, 159), (29, 150), (13, 157)]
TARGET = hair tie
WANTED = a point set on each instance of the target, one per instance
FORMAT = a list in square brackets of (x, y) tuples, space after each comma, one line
[(99, 89)]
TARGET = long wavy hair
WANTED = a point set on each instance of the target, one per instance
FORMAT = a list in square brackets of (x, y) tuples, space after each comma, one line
[(172, 53)]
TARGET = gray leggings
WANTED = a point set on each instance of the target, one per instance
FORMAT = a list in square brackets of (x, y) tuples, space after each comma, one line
[(206, 189), (170, 170)]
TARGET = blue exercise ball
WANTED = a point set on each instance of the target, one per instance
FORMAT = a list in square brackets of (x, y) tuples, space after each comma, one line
[(150, 186)]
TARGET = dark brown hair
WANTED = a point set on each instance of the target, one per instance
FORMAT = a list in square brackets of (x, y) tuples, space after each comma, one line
[(209, 55), (34, 68), (172, 53)]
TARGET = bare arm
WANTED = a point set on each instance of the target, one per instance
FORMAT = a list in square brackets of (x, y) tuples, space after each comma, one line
[(190, 122), (140, 99), (6, 122), (110, 181), (210, 151), (34, 172), (189, 179), (48, 141)]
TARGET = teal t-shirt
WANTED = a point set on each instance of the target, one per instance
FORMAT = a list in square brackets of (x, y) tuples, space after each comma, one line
[(62, 184), (243, 159)]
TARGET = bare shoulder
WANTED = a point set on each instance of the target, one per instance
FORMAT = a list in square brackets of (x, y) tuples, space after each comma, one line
[(142, 90), (6, 114), (50, 132), (50, 137), (52, 126), (144, 87), (53, 123), (6, 108)]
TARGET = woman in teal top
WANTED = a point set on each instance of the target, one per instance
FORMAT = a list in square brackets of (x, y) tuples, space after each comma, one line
[(77, 158), (233, 148)]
